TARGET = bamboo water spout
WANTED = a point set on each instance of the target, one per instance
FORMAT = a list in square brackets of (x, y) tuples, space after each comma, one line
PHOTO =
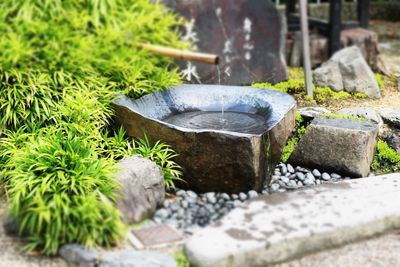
[(180, 54)]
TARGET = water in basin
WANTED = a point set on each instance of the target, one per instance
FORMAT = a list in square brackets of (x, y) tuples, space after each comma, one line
[(216, 120)]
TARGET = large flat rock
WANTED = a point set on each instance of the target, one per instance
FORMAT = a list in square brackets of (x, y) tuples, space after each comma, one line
[(280, 227)]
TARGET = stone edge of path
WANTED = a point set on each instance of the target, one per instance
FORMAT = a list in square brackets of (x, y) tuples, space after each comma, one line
[(263, 254)]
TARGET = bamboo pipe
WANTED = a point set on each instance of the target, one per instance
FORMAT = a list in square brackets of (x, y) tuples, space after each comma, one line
[(180, 54)]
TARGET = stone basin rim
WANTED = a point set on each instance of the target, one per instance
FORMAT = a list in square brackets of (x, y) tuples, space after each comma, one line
[(128, 103)]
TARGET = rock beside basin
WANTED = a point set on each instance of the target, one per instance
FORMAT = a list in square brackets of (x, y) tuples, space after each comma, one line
[(343, 145), (142, 188), (215, 160)]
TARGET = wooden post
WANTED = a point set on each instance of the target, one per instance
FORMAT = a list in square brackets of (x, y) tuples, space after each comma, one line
[(335, 25), (306, 46), (363, 13)]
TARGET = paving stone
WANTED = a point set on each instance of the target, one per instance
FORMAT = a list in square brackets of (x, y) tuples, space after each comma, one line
[(79, 255), (342, 145), (279, 227), (132, 258)]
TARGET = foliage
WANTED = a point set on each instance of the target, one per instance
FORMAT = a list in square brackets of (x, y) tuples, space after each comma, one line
[(295, 85), (118, 147), (343, 116), (386, 159), (379, 80), (294, 140), (61, 63), (47, 45), (60, 193), (162, 155), (181, 259)]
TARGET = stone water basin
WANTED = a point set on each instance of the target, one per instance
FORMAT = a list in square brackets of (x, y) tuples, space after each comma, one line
[(227, 137)]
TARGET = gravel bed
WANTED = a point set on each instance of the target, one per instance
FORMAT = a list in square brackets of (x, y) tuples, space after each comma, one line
[(187, 210)]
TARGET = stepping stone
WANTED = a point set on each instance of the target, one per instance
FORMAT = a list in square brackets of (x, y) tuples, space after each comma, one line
[(338, 145), (280, 227), (154, 236)]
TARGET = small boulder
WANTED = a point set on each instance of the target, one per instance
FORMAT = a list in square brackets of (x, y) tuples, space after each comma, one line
[(328, 75), (309, 113), (142, 188), (79, 255), (391, 116), (341, 145), (347, 70)]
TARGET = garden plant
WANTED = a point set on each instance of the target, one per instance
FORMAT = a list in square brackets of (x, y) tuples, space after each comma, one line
[(62, 65)]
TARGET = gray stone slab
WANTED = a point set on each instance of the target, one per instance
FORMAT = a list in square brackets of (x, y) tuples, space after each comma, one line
[(131, 258), (338, 145), (391, 116), (279, 227)]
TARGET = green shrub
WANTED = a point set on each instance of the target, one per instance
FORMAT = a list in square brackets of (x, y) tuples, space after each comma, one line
[(386, 159), (61, 62), (26, 97), (118, 147), (60, 192)]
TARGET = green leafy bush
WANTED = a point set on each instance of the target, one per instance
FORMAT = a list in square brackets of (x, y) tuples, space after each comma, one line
[(26, 97), (386, 159), (61, 62), (61, 192), (46, 46), (118, 147)]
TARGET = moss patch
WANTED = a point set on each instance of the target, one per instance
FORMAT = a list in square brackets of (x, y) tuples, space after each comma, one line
[(294, 140), (295, 85), (181, 259), (343, 116), (386, 159)]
